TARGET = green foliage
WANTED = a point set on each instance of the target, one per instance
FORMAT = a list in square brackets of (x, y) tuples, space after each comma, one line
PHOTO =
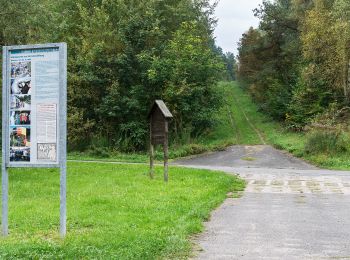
[(122, 56), (326, 142), (305, 104), (330, 148), (276, 47), (232, 128), (231, 65), (297, 63), (112, 156), (118, 213), (190, 77)]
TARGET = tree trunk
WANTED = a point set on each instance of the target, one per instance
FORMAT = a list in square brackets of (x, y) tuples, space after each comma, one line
[(346, 77), (347, 81)]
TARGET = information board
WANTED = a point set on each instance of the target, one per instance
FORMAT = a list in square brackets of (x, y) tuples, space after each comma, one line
[(34, 115), (34, 93)]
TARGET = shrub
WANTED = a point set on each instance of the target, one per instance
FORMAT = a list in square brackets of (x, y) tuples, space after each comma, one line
[(326, 142), (100, 152)]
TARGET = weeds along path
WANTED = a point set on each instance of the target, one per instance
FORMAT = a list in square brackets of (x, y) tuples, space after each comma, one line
[(249, 122), (240, 120), (232, 121)]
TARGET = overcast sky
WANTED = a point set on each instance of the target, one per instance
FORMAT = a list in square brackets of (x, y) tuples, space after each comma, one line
[(235, 18)]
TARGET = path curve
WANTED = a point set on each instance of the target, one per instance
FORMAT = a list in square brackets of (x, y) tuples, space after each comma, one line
[(289, 210)]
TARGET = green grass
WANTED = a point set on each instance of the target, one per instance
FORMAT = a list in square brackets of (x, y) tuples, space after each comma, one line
[(114, 211), (272, 132), (237, 105), (249, 159), (113, 156)]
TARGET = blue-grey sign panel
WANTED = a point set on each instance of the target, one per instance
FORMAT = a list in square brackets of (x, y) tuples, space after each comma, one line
[(34, 115), (35, 105)]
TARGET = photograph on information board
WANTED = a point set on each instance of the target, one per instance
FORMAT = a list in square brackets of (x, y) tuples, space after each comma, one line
[(21, 85), (47, 152), (20, 144), (21, 73), (19, 118), (20, 102), (21, 69)]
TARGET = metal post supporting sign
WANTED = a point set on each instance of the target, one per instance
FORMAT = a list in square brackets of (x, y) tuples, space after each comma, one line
[(34, 115)]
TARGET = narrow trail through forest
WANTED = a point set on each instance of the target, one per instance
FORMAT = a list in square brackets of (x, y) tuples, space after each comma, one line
[(257, 131)]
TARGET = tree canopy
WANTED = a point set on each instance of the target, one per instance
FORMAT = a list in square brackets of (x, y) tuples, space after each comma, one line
[(296, 64), (124, 54)]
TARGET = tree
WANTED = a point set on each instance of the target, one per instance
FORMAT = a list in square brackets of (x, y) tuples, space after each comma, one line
[(189, 69), (231, 65), (114, 49), (341, 14), (297, 64)]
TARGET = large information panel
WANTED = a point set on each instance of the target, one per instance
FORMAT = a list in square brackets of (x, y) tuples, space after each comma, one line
[(35, 101), (34, 115)]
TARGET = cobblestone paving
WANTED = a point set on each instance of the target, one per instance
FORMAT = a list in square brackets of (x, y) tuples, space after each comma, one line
[(257, 183)]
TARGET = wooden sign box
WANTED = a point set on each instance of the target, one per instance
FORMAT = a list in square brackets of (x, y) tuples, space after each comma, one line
[(159, 118)]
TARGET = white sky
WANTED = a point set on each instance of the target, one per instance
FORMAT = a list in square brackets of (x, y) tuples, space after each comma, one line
[(235, 18)]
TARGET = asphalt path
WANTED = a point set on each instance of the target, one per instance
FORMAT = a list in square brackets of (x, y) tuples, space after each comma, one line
[(289, 210)]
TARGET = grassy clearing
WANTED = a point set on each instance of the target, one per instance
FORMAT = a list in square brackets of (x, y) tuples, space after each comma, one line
[(114, 211)]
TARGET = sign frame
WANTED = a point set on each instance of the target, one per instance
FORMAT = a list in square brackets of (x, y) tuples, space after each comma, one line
[(61, 126)]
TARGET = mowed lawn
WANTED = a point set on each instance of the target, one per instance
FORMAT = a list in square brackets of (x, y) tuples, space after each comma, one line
[(114, 211)]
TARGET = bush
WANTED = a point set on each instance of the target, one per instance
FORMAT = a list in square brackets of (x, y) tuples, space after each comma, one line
[(326, 142), (100, 152)]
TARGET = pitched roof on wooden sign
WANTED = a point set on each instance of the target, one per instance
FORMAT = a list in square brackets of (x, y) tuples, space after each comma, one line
[(163, 108)]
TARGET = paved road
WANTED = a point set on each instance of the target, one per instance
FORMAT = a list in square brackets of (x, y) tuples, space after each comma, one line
[(289, 210)]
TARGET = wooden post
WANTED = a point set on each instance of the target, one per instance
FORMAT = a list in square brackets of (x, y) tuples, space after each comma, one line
[(348, 81), (151, 154), (151, 171), (159, 117), (166, 153)]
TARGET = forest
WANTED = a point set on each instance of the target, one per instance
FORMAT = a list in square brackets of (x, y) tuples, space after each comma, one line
[(122, 56), (125, 54), (296, 64)]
